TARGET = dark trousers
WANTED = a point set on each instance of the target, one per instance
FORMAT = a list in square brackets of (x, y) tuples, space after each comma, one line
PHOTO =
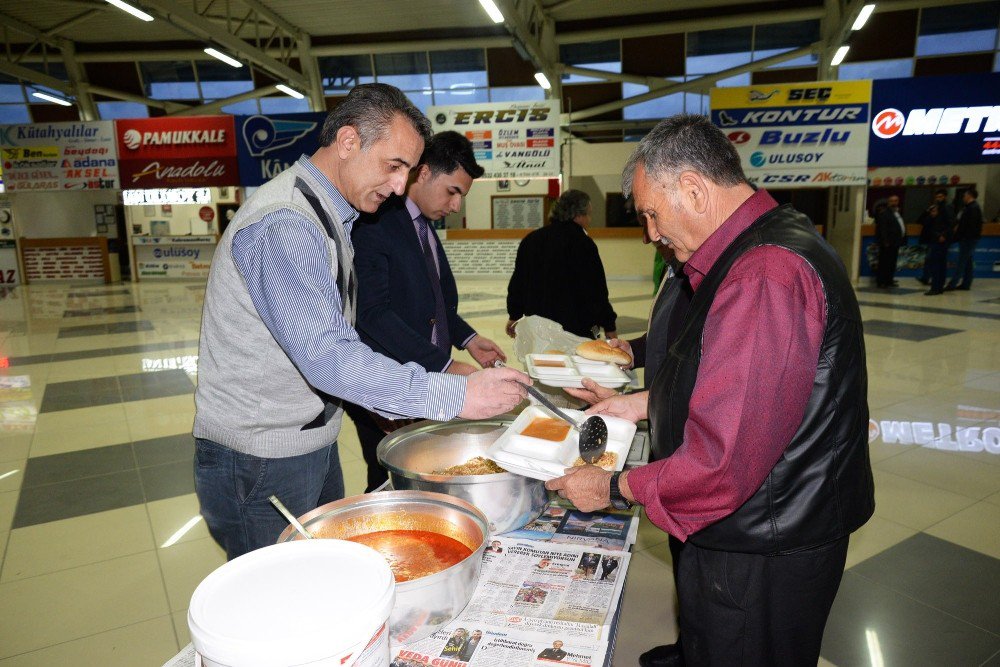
[(748, 609), (234, 491), (886, 271), (963, 270), (936, 265), (369, 435)]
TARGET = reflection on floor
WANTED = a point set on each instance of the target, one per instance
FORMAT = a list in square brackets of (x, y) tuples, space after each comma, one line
[(101, 544)]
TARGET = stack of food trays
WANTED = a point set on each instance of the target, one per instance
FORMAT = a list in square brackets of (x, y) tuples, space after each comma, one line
[(563, 370)]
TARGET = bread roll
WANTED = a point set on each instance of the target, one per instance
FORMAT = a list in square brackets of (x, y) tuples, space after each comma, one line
[(599, 350)]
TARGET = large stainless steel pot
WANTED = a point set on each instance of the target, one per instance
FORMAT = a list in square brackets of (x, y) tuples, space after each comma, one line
[(411, 454), (422, 605)]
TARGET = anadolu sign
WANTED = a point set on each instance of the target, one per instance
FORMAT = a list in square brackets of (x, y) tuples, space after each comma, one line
[(181, 152)]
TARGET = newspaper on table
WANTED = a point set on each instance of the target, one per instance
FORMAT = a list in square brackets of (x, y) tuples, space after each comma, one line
[(530, 596), (560, 523)]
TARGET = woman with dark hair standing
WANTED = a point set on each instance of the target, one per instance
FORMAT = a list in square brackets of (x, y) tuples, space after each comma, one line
[(558, 273)]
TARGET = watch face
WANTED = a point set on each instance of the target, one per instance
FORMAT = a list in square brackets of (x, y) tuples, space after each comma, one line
[(4, 216)]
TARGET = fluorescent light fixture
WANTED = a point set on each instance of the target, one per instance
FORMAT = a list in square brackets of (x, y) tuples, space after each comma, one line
[(542, 80), (289, 91), (175, 538), (52, 98), (862, 19), (839, 56), (229, 60), (125, 7), (492, 10)]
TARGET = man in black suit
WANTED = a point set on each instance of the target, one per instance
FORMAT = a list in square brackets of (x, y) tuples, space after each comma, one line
[(968, 230), (407, 298), (890, 234)]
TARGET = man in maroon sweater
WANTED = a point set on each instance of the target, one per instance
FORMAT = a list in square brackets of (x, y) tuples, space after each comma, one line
[(758, 414)]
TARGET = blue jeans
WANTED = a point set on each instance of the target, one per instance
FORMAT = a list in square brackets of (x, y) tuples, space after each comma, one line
[(233, 489), (963, 270)]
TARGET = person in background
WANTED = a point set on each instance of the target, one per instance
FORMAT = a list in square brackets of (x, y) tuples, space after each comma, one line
[(558, 273), (936, 230), (890, 233), (945, 213), (765, 375), (407, 297), (968, 229), (278, 348)]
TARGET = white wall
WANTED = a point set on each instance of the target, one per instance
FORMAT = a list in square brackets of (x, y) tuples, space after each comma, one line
[(58, 214)]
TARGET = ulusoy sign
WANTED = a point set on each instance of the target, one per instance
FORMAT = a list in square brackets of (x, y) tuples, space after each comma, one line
[(59, 156), (933, 120), (267, 145), (510, 139), (798, 135), (177, 152)]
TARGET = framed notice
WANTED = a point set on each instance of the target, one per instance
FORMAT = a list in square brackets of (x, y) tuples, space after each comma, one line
[(519, 211)]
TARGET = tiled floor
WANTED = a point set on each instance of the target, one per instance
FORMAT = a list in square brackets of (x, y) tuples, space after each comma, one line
[(101, 544)]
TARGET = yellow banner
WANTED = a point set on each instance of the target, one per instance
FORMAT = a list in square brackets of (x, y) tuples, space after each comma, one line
[(813, 93), (32, 153)]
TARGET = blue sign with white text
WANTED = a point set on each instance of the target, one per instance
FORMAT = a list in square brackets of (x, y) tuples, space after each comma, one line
[(267, 145), (935, 120)]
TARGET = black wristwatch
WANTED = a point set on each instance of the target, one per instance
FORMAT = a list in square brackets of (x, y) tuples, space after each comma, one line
[(618, 501)]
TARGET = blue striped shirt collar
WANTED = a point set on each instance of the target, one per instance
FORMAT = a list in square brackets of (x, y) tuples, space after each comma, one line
[(347, 213)]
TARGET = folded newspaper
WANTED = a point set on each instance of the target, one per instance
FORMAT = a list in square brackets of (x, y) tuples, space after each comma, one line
[(536, 603), (563, 524)]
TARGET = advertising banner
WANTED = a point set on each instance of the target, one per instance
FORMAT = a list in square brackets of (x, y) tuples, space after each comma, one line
[(511, 139), (59, 156), (267, 145), (173, 256), (985, 259), (798, 135), (187, 151), (932, 120)]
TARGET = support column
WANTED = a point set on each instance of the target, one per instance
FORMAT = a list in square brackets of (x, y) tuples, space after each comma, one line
[(78, 79), (310, 67)]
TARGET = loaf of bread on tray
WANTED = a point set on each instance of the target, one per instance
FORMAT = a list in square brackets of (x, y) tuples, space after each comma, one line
[(599, 350)]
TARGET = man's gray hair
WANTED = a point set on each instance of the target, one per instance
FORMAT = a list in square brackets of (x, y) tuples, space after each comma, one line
[(685, 142), (370, 109), (571, 204)]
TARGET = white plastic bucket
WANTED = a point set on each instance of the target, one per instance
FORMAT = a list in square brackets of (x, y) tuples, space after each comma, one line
[(307, 602)]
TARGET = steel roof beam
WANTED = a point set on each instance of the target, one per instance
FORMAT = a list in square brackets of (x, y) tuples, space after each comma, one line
[(694, 84), (197, 25), (213, 107)]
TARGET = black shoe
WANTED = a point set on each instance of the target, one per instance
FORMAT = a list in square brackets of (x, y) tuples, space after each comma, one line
[(923, 281), (950, 288), (934, 292), (668, 655)]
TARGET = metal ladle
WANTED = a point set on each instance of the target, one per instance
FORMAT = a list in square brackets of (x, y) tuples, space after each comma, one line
[(593, 430), (291, 519)]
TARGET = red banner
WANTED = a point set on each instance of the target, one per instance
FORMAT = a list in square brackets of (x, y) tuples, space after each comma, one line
[(182, 152)]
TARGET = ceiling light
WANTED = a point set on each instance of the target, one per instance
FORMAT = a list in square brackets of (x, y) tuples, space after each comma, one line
[(866, 12), (229, 60), (838, 57), (125, 7), (52, 98), (289, 91), (492, 10), (542, 80)]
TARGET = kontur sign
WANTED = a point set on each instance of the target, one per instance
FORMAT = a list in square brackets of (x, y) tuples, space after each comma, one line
[(798, 135)]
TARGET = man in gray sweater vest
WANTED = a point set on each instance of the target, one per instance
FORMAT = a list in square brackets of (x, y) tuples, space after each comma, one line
[(278, 346)]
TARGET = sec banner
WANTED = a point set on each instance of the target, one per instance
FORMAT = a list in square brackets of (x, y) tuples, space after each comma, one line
[(510, 139), (803, 135)]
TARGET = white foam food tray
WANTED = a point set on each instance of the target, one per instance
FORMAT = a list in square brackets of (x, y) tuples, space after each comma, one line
[(570, 372), (545, 459)]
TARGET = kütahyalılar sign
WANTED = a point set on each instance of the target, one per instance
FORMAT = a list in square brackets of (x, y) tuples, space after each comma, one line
[(59, 156)]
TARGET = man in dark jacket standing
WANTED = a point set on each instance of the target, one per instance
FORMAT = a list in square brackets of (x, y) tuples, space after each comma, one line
[(890, 234), (944, 216), (558, 273), (968, 231), (937, 230)]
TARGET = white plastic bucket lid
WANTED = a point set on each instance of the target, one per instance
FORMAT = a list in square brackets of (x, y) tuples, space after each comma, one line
[(291, 603)]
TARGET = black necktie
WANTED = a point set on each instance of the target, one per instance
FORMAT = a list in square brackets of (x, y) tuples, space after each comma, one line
[(439, 324)]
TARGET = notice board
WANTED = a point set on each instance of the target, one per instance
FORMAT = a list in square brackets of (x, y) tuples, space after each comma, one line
[(519, 211)]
